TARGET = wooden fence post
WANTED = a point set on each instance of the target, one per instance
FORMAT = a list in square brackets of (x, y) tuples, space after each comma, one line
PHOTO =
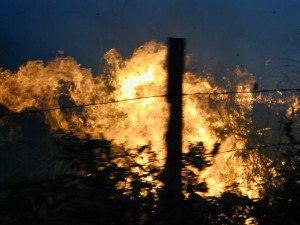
[(172, 194)]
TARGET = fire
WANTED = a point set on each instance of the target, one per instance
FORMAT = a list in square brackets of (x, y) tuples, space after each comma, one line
[(132, 120), (128, 86)]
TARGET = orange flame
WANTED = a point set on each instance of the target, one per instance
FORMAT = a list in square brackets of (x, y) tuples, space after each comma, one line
[(207, 118)]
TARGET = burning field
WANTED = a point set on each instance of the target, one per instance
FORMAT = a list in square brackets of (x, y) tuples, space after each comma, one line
[(239, 128)]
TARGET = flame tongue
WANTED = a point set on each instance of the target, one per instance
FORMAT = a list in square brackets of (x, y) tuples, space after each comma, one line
[(207, 118)]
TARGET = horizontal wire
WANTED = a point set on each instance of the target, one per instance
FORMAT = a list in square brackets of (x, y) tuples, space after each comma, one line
[(145, 97), (79, 106), (223, 152), (204, 155), (243, 92), (259, 147)]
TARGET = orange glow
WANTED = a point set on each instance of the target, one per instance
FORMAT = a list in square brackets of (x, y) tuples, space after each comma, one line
[(207, 118)]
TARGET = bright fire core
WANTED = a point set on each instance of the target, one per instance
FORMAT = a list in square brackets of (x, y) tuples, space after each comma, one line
[(210, 119)]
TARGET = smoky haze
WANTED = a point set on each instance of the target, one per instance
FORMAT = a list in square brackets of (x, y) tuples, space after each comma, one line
[(258, 35)]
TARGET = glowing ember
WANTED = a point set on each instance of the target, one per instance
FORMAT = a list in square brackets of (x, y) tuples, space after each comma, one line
[(209, 119)]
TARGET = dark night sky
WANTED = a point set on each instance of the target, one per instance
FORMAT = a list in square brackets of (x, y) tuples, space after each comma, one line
[(220, 33)]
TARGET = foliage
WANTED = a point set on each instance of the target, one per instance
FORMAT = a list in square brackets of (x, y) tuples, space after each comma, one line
[(88, 195), (104, 184), (281, 204)]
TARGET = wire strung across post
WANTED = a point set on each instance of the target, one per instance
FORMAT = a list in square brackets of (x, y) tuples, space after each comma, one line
[(146, 97)]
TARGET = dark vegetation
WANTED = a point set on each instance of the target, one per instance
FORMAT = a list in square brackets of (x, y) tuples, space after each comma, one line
[(91, 186)]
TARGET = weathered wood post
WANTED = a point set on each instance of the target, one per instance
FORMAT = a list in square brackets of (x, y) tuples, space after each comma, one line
[(172, 194)]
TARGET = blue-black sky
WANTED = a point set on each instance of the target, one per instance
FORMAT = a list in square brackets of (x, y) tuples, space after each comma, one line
[(220, 33)]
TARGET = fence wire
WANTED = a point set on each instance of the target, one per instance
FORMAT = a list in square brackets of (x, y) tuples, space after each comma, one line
[(146, 97)]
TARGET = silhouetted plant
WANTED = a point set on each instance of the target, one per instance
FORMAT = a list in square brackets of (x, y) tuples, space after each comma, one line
[(104, 184), (280, 204)]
